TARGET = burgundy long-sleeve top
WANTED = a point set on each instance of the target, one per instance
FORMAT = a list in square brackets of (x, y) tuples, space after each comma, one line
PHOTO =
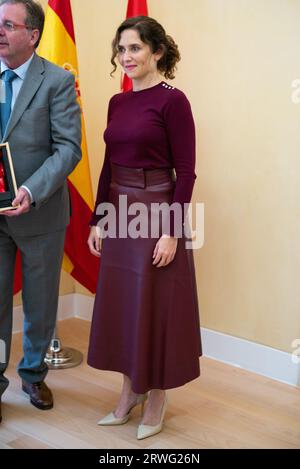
[(151, 129)]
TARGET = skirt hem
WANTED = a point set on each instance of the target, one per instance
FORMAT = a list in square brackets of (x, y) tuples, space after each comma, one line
[(142, 390)]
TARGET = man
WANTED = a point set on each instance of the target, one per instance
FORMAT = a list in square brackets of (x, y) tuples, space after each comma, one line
[(44, 133)]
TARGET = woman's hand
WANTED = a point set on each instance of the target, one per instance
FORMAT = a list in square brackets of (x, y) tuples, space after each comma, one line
[(94, 242), (164, 251)]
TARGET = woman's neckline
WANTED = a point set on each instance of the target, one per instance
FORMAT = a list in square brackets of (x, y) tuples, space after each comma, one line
[(148, 89)]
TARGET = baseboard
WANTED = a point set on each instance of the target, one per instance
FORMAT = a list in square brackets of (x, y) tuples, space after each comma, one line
[(241, 353), (251, 356), (84, 306)]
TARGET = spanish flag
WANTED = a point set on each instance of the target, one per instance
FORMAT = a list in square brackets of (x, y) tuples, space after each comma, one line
[(134, 8), (58, 45)]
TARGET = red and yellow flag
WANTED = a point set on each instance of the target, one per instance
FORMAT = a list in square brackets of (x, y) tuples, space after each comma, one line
[(134, 8), (58, 45)]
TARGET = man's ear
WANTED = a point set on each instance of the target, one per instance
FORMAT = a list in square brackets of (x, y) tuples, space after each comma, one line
[(35, 34)]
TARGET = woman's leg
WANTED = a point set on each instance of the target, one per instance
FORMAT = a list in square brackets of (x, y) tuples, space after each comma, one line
[(127, 400), (153, 411)]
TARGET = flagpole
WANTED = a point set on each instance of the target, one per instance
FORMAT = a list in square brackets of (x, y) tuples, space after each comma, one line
[(59, 357), (59, 46)]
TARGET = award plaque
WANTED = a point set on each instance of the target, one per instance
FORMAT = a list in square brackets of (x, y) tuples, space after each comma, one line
[(8, 185)]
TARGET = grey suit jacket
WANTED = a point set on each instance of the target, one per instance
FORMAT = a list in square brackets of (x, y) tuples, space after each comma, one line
[(44, 133)]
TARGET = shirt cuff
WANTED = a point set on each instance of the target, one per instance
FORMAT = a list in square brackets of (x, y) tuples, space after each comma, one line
[(30, 195)]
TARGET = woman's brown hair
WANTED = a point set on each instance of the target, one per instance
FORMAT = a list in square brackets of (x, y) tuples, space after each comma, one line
[(153, 34)]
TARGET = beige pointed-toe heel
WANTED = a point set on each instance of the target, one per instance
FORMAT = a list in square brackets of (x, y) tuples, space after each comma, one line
[(144, 431), (111, 419)]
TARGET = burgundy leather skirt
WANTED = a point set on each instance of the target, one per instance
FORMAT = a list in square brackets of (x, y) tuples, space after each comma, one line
[(146, 319)]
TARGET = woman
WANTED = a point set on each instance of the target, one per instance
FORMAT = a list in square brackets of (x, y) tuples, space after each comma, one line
[(145, 322)]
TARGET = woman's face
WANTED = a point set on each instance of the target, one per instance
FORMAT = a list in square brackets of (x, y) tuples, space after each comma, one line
[(135, 56)]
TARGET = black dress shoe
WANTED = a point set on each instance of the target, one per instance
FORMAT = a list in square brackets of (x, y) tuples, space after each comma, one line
[(40, 395)]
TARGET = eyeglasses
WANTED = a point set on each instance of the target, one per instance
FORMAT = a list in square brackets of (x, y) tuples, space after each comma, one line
[(10, 26)]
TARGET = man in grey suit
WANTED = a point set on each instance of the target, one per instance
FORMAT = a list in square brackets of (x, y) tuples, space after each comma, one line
[(43, 129)]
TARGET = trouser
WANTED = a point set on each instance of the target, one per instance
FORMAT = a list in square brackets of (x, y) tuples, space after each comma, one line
[(41, 265)]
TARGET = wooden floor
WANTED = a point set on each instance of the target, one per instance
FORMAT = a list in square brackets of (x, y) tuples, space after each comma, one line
[(226, 408)]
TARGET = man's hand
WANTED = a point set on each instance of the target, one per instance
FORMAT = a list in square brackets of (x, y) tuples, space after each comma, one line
[(164, 251), (22, 201)]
